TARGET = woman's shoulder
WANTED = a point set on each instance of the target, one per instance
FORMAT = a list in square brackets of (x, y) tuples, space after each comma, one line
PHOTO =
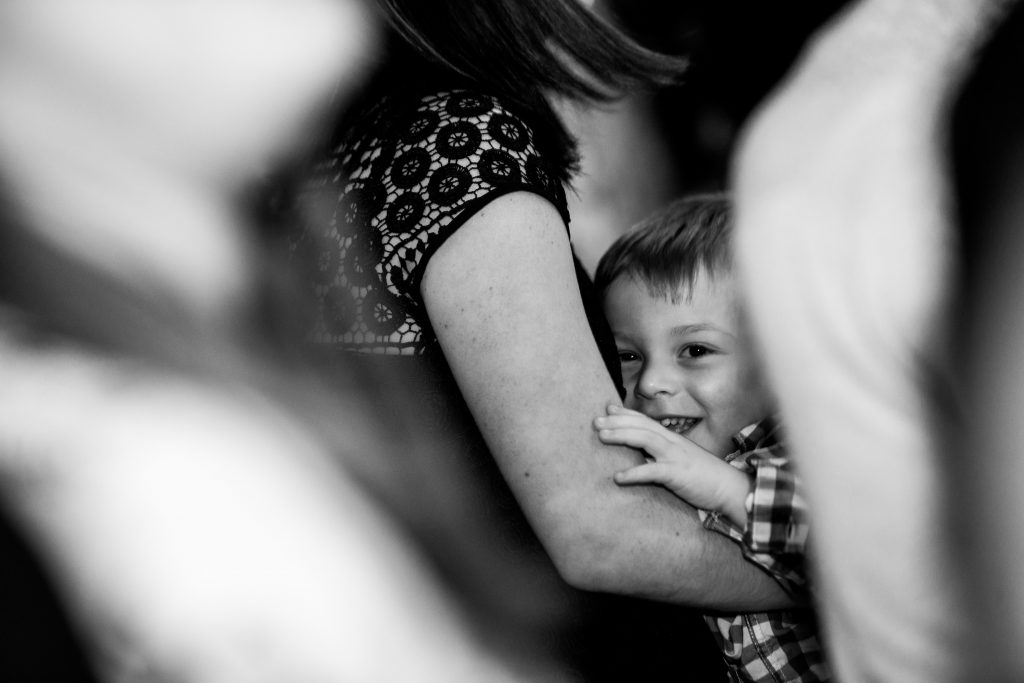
[(407, 133), (409, 105), (454, 143)]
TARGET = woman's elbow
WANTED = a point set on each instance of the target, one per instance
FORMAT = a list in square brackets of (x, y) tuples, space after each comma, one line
[(591, 562)]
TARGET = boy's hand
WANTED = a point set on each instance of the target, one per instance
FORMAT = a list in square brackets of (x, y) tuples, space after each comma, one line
[(692, 473)]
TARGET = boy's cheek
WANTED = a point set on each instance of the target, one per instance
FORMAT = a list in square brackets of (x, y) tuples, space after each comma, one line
[(631, 401)]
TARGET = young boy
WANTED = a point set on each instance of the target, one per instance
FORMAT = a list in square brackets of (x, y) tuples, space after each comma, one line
[(699, 407)]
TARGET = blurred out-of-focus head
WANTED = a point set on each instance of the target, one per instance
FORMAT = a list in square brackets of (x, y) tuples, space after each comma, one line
[(217, 86)]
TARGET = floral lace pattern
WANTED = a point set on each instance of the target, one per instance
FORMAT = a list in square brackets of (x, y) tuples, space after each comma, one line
[(401, 190)]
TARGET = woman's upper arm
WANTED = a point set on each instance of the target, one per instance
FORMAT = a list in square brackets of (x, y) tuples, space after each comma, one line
[(502, 297)]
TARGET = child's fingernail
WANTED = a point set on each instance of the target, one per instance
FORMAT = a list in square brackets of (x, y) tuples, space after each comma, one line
[(598, 421), (614, 408)]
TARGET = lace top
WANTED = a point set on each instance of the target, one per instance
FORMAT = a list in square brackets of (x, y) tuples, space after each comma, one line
[(420, 170)]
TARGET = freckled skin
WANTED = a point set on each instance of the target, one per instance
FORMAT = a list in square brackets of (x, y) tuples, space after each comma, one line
[(690, 358)]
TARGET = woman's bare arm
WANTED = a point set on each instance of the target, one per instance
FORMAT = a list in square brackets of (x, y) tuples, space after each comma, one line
[(502, 296)]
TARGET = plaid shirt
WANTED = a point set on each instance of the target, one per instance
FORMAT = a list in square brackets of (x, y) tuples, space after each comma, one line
[(769, 646)]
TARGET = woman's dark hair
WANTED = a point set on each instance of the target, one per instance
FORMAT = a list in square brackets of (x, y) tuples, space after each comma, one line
[(669, 249), (517, 45), (520, 50)]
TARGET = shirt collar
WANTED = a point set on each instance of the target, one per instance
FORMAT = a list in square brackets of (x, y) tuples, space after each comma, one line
[(748, 438)]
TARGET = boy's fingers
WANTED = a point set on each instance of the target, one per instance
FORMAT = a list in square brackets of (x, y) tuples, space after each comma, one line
[(631, 421), (623, 410), (654, 444), (619, 421), (649, 473)]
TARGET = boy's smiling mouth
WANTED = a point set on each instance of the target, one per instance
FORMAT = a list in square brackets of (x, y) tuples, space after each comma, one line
[(677, 424)]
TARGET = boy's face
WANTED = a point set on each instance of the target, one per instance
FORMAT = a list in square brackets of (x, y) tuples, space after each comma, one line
[(688, 364)]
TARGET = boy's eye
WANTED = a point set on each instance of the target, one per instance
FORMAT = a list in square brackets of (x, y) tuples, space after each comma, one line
[(628, 356), (695, 351)]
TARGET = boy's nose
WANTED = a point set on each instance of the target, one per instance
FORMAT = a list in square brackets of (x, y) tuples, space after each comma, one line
[(655, 381)]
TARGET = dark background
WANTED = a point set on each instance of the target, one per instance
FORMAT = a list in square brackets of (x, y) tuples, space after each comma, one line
[(739, 51)]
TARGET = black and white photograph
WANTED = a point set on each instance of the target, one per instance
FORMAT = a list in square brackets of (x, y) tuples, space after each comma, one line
[(511, 341)]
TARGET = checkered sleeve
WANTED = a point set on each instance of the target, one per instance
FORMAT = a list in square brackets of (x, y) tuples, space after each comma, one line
[(777, 522), (777, 528)]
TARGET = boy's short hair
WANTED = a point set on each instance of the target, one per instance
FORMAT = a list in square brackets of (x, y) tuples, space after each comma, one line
[(668, 249)]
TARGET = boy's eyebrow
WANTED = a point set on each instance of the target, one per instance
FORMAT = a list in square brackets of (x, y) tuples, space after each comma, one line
[(681, 330)]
